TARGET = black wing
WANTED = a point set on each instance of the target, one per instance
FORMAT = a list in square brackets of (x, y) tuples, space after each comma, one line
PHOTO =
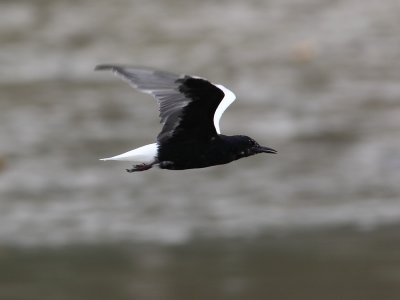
[(187, 104)]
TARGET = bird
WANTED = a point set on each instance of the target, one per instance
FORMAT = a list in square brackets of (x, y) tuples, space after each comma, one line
[(190, 108)]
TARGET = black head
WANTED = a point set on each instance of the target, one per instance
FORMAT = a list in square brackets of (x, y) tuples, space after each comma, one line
[(246, 146)]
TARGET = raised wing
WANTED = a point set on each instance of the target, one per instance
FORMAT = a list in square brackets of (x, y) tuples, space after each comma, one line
[(189, 106)]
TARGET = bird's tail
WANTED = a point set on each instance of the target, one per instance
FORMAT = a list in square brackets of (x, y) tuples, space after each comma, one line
[(144, 154)]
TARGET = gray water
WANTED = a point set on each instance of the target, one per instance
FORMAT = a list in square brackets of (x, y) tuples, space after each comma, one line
[(316, 80)]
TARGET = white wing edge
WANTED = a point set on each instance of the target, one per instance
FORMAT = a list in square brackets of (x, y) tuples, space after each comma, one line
[(228, 100), (145, 154)]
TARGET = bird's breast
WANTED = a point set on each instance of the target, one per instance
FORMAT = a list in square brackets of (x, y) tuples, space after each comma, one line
[(193, 154)]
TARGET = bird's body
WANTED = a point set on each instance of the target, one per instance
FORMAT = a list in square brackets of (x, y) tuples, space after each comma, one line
[(190, 110)]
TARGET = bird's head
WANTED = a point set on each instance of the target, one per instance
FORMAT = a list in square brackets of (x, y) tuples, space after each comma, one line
[(246, 146)]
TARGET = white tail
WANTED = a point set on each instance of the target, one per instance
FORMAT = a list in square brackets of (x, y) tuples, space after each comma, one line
[(145, 154)]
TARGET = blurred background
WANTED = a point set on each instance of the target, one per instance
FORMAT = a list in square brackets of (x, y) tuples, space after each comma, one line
[(317, 80)]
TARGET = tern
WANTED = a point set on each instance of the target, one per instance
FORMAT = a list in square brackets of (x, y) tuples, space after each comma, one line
[(190, 110)]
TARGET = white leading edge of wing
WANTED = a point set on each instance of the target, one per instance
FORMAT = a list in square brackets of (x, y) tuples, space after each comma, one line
[(228, 99)]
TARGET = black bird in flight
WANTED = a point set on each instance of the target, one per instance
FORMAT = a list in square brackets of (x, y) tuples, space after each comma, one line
[(190, 110)]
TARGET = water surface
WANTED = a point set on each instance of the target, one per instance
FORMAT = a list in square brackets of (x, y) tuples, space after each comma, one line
[(316, 80)]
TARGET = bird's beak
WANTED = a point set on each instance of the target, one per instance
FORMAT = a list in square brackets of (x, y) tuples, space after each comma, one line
[(261, 149)]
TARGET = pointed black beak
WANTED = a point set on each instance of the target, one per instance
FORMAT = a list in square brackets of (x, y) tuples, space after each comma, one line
[(261, 149)]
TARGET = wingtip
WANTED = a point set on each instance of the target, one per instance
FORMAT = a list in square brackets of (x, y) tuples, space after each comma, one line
[(104, 67), (116, 66)]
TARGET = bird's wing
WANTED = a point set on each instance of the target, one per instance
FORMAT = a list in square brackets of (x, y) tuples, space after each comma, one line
[(190, 107)]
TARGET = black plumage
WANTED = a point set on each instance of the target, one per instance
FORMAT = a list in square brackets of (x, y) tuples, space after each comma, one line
[(190, 136)]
